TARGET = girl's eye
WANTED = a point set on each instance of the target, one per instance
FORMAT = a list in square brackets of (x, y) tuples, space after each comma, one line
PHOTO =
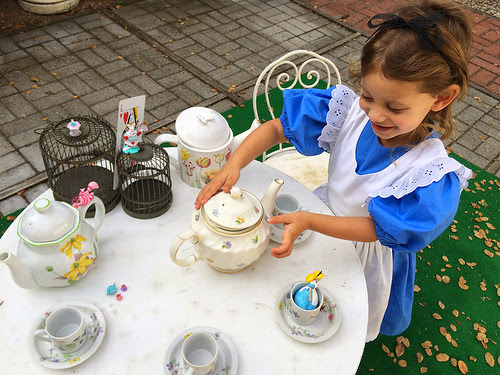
[(367, 98), (395, 110)]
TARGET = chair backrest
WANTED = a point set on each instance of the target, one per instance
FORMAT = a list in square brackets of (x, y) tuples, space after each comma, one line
[(304, 67)]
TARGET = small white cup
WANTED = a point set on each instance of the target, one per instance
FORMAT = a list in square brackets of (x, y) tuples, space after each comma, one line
[(285, 204), (299, 315), (65, 329), (199, 353)]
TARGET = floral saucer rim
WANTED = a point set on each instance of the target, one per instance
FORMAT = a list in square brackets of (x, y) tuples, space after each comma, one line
[(227, 352), (50, 357), (323, 328), (277, 231)]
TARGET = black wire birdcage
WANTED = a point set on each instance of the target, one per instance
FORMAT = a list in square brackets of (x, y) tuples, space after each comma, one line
[(145, 183), (72, 158)]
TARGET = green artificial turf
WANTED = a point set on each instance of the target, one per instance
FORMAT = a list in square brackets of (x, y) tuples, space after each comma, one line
[(456, 306)]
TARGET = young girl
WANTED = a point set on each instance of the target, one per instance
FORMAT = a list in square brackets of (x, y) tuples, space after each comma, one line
[(391, 186)]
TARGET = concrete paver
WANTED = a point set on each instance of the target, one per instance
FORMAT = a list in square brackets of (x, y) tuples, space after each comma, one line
[(180, 54)]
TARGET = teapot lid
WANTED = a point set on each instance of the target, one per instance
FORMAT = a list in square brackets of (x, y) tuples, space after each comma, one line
[(233, 212), (202, 128), (48, 222)]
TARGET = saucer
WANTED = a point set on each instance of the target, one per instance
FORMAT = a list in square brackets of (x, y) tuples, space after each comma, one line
[(325, 325), (47, 355), (276, 232), (227, 357)]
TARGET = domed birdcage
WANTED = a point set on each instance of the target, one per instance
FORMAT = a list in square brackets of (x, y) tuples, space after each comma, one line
[(77, 150), (145, 183)]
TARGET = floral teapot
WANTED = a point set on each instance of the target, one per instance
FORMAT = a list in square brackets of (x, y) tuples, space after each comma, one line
[(57, 245), (229, 232)]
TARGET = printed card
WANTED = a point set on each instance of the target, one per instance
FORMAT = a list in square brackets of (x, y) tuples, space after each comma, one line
[(130, 115)]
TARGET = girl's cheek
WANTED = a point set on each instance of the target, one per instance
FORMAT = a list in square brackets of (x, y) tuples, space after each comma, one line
[(362, 105)]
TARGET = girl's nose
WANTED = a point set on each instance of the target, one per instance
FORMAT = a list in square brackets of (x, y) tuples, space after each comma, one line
[(375, 114)]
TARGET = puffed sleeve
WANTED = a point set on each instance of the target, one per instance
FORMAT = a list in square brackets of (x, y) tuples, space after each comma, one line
[(304, 116), (413, 221)]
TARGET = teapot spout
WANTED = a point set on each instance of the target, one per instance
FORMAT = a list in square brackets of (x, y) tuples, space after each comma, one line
[(21, 273), (241, 137), (270, 196)]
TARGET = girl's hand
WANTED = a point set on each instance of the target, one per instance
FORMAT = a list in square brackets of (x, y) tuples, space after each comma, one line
[(261, 139), (295, 223), (224, 180)]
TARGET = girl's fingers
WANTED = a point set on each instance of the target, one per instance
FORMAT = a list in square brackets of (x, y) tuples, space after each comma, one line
[(205, 194), (284, 250), (224, 181), (281, 252)]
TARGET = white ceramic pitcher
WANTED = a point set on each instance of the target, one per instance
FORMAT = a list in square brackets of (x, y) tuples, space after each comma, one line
[(204, 141)]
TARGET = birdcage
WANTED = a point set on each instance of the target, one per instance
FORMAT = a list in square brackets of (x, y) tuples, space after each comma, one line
[(77, 150), (145, 183)]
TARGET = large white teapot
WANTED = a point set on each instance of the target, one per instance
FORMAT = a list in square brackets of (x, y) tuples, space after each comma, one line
[(229, 232), (204, 141), (57, 245)]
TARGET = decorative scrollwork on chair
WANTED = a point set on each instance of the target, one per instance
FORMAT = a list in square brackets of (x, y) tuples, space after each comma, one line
[(304, 71)]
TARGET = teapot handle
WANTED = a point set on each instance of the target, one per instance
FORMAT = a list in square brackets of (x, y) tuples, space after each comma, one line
[(100, 210), (176, 245)]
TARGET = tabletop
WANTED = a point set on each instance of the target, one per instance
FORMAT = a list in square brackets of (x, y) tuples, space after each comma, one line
[(164, 300)]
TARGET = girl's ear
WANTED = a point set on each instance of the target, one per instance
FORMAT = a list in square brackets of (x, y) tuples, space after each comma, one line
[(445, 97)]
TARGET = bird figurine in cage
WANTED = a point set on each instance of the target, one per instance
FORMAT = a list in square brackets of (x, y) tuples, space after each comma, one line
[(144, 181)]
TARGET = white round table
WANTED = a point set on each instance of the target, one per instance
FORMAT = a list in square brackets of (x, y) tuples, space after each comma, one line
[(163, 299)]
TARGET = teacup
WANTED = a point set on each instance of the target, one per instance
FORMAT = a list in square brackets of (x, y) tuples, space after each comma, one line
[(285, 204), (65, 329), (299, 315), (199, 353)]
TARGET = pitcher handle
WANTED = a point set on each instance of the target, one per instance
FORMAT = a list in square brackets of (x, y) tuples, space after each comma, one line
[(176, 244), (100, 211), (168, 138)]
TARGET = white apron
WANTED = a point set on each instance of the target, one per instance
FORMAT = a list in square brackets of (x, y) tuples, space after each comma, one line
[(348, 193)]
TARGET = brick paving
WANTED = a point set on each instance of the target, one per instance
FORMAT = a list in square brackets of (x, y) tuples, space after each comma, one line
[(179, 54)]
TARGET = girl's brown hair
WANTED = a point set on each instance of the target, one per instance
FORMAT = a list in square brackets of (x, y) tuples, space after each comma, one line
[(398, 52)]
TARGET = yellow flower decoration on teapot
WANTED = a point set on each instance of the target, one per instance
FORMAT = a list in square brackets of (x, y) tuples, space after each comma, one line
[(73, 243), (79, 266)]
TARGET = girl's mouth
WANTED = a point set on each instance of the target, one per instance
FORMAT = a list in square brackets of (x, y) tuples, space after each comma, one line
[(381, 129)]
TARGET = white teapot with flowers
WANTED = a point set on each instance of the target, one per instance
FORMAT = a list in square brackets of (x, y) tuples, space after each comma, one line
[(229, 232), (57, 245)]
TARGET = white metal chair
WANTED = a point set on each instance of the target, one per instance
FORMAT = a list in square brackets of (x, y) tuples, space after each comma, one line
[(307, 69)]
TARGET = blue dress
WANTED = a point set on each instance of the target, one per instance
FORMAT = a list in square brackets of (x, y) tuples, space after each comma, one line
[(405, 223)]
